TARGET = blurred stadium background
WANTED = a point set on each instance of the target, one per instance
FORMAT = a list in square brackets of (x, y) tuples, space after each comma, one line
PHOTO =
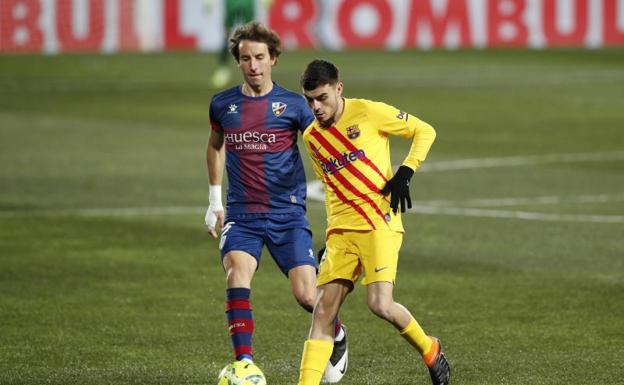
[(514, 249)]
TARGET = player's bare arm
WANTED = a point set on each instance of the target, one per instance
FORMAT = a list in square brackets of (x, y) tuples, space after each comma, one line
[(215, 159)]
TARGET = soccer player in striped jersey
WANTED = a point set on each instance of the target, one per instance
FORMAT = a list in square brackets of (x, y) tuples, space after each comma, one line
[(254, 135), (350, 152)]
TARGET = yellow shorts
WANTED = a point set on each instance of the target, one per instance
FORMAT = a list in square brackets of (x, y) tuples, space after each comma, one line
[(350, 253)]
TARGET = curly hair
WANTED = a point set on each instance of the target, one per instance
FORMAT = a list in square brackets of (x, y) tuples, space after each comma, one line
[(255, 31)]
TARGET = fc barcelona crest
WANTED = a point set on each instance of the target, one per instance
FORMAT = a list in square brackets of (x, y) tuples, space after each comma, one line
[(353, 132), (278, 108)]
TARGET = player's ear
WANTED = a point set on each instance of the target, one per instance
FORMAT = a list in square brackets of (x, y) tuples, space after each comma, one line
[(339, 87)]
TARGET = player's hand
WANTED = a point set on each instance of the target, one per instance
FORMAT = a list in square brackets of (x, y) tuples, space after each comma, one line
[(215, 213), (398, 188), (214, 216)]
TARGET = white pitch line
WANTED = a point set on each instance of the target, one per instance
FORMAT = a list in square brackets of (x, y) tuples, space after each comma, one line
[(315, 187), (524, 215), (514, 161), (541, 200), (108, 212), (419, 208)]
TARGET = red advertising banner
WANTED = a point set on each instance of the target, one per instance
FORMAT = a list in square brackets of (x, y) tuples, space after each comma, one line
[(55, 26)]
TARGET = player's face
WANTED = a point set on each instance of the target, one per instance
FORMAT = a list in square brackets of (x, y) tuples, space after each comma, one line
[(255, 63), (325, 102)]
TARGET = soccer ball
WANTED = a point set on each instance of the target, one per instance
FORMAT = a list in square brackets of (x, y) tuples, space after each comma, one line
[(241, 373)]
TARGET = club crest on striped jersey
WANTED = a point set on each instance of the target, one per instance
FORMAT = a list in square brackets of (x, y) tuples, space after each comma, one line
[(353, 131), (278, 108)]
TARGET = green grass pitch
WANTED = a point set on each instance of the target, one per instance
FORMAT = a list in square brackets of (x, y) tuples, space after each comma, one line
[(514, 256)]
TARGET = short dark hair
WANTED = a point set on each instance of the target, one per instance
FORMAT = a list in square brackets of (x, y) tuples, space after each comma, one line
[(318, 73), (255, 31)]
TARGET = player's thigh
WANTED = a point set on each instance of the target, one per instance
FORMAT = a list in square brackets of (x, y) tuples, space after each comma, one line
[(379, 253), (303, 284), (289, 241)]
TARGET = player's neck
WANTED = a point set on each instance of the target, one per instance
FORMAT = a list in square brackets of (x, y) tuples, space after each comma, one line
[(339, 110), (261, 90)]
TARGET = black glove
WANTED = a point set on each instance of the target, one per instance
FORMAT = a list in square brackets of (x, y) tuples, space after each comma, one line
[(398, 187)]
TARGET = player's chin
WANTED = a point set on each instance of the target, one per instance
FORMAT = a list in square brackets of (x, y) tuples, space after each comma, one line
[(326, 122), (255, 79)]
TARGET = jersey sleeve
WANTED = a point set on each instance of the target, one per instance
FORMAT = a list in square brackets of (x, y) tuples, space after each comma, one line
[(392, 121), (214, 119), (318, 171)]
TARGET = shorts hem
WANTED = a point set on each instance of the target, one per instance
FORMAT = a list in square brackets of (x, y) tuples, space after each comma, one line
[(332, 279), (306, 263), (223, 252), (366, 282)]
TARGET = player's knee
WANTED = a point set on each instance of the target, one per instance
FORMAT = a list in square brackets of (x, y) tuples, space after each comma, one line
[(238, 276), (380, 307), (305, 300)]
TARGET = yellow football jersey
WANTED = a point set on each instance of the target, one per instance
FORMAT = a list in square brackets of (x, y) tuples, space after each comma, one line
[(352, 158)]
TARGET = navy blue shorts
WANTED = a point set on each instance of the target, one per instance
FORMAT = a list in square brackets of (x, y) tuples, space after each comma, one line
[(288, 239)]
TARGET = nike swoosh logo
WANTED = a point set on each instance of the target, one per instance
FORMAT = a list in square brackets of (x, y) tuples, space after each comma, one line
[(344, 368), (378, 269)]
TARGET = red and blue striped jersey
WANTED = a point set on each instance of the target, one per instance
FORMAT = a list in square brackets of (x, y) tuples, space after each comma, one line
[(264, 168)]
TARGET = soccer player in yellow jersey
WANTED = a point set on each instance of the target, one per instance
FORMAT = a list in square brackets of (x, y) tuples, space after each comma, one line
[(348, 144)]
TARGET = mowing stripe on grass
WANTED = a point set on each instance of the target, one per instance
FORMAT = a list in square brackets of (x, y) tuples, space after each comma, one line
[(315, 188), (419, 208), (438, 207)]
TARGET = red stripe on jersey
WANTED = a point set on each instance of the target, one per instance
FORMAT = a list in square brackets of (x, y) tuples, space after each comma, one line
[(334, 131), (241, 325), (257, 197), (349, 186), (238, 304), (332, 150), (343, 198)]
